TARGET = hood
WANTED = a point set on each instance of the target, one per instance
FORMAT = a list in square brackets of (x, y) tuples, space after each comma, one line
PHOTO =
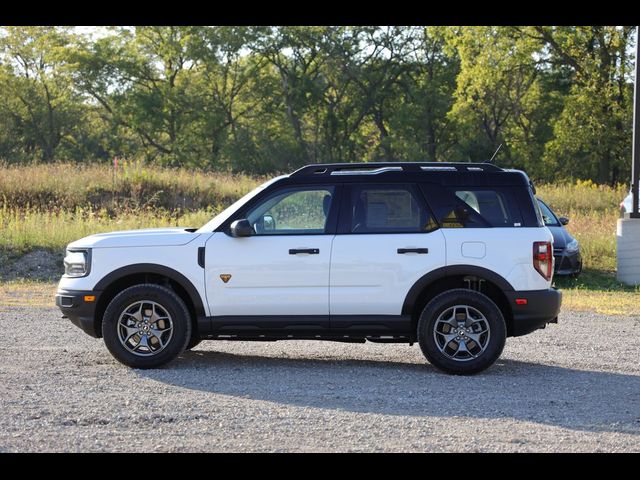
[(560, 236), (149, 237)]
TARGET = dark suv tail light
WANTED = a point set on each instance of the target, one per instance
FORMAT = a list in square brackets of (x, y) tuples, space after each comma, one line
[(543, 259)]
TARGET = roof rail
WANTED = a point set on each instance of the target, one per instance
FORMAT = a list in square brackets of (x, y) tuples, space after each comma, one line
[(373, 168)]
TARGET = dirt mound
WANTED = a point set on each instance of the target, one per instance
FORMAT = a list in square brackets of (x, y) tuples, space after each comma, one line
[(40, 265)]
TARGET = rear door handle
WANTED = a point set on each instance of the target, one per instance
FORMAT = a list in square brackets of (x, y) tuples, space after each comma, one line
[(413, 250), (310, 251)]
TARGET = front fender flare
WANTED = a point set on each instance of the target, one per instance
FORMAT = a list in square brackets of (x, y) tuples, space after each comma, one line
[(154, 268)]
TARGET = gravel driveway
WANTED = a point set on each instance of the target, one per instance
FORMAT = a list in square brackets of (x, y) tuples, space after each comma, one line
[(572, 387)]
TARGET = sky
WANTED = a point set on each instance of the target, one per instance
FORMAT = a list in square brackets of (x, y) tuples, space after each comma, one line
[(92, 30)]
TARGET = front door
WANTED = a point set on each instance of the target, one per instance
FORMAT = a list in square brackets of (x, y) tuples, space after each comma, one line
[(279, 276)]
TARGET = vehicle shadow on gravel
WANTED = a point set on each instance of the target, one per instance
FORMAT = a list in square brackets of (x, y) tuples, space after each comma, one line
[(564, 397)]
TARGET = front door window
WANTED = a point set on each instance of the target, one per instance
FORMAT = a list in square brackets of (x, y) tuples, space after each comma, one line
[(293, 211)]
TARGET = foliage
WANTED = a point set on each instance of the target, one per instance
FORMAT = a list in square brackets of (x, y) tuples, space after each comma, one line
[(269, 99), (592, 134)]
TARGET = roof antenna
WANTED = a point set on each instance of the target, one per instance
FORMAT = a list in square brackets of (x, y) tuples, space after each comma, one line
[(494, 155)]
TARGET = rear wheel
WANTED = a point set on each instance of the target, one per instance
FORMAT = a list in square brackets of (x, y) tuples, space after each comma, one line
[(461, 331), (146, 326)]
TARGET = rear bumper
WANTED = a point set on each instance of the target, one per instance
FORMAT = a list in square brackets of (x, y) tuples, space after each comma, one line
[(73, 306), (542, 307)]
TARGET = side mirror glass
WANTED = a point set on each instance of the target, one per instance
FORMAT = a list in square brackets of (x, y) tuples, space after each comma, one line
[(563, 220), (268, 223), (241, 228)]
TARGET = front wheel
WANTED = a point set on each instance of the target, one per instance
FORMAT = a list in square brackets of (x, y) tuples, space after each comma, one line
[(461, 331), (194, 342), (146, 326)]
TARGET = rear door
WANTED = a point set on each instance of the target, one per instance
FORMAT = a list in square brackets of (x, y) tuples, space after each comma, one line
[(387, 239)]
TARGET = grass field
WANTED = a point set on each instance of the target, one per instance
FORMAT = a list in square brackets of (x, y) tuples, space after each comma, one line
[(28, 229), (48, 206), (132, 185)]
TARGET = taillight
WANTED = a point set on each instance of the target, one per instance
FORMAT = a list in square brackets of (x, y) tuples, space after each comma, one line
[(543, 259)]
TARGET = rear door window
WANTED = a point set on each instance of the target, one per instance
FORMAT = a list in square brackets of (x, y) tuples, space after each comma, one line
[(388, 209)]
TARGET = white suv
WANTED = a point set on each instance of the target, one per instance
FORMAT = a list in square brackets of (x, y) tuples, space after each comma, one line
[(454, 256)]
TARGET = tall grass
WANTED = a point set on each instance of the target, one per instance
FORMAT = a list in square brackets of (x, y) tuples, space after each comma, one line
[(28, 229), (130, 185), (582, 196)]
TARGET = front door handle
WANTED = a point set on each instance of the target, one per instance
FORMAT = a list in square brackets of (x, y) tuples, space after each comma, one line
[(310, 251), (413, 250)]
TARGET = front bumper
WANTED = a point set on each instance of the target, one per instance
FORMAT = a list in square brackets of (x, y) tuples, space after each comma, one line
[(567, 263), (81, 312), (542, 307)]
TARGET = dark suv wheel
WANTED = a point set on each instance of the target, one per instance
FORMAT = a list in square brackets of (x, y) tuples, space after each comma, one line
[(146, 326), (461, 331)]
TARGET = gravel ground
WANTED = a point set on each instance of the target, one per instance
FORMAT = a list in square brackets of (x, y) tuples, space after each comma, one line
[(574, 386)]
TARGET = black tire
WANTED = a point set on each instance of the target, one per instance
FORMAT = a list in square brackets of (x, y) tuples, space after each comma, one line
[(486, 355), (194, 342), (167, 300)]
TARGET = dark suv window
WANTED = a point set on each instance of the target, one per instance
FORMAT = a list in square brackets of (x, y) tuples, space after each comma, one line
[(472, 207), (388, 209)]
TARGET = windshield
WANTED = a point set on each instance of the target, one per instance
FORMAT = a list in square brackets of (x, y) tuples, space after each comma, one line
[(549, 218), (219, 219)]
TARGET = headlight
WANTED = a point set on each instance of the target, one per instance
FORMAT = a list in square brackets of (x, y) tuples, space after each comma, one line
[(77, 263), (572, 246)]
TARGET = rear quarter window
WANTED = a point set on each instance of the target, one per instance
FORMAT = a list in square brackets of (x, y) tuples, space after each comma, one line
[(474, 207)]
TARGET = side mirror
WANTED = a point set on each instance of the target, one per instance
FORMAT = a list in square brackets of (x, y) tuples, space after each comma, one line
[(241, 228), (563, 220)]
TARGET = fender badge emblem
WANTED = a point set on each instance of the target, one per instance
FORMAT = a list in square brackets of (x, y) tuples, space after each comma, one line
[(225, 277)]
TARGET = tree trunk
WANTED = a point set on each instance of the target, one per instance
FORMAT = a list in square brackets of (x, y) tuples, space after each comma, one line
[(384, 134), (431, 140), (293, 118), (604, 169)]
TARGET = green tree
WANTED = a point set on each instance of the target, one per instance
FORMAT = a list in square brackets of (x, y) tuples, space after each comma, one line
[(297, 54), (499, 93), (142, 79), (41, 110), (267, 99), (222, 89), (419, 122), (592, 135)]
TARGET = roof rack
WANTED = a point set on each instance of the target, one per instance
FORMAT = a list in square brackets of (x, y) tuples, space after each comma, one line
[(374, 168)]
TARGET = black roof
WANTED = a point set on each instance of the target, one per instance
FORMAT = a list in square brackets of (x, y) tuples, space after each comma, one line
[(445, 173)]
